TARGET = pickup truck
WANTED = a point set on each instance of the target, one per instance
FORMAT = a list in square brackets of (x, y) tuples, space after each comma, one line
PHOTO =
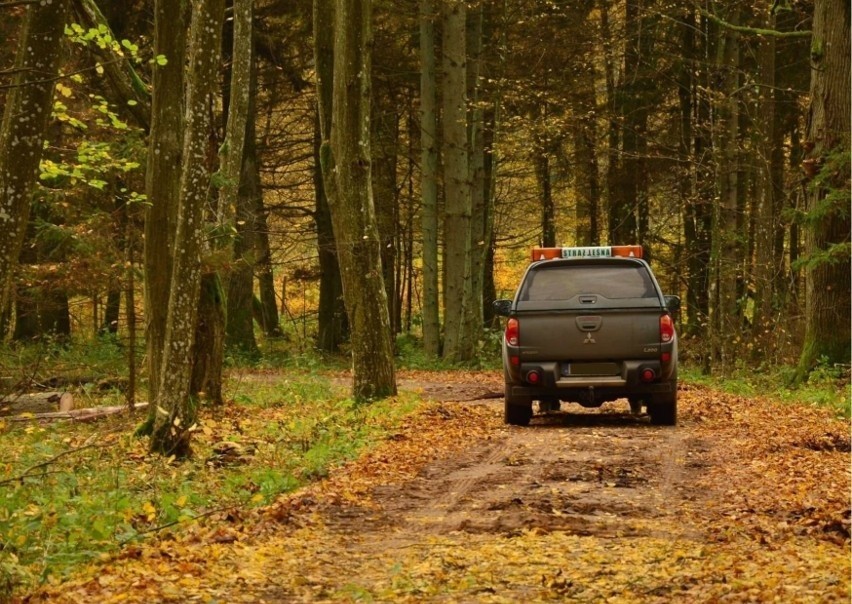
[(589, 325)]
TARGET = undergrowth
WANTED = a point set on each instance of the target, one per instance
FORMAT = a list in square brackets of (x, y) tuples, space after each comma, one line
[(71, 493), (827, 386)]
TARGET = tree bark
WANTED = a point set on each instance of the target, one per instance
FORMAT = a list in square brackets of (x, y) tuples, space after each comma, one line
[(827, 338), (27, 110), (162, 184), (332, 324), (345, 160), (480, 237), (727, 245), (764, 274), (429, 178), (263, 271), (176, 407), (236, 202), (585, 141), (541, 166), (457, 207), (384, 123)]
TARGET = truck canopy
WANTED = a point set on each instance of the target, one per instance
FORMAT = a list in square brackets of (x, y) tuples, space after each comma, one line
[(580, 284)]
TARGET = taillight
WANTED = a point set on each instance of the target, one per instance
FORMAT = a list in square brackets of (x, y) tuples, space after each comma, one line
[(666, 329), (512, 332)]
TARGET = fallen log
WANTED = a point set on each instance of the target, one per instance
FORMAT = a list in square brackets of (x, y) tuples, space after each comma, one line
[(36, 402), (76, 415)]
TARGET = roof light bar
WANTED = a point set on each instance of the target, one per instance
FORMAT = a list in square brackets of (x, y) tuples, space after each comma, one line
[(594, 251)]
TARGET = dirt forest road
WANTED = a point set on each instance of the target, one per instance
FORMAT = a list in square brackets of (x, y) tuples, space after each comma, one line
[(745, 501)]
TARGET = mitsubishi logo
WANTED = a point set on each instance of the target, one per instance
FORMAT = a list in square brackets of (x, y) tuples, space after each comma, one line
[(589, 339)]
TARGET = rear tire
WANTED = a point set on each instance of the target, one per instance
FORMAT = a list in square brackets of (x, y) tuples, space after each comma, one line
[(517, 411), (663, 410)]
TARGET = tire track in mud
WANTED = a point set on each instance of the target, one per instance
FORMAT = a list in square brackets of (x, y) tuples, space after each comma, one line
[(595, 473)]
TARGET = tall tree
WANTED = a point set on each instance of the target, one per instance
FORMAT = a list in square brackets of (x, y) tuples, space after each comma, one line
[(480, 236), (25, 115), (162, 186), (584, 131), (235, 200), (828, 223), (345, 159), (727, 247), (429, 178), (176, 409), (695, 182), (332, 322), (457, 202)]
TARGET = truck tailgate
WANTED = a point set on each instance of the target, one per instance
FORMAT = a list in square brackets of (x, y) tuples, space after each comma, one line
[(570, 335)]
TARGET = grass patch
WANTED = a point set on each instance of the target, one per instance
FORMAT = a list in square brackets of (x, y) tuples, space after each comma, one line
[(410, 354), (826, 386), (70, 493)]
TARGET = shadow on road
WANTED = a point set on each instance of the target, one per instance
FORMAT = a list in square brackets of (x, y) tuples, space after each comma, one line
[(589, 420)]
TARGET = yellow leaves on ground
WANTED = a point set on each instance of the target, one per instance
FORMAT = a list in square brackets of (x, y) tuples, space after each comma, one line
[(759, 512)]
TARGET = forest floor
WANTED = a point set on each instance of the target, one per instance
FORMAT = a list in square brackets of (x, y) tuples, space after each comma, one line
[(745, 500)]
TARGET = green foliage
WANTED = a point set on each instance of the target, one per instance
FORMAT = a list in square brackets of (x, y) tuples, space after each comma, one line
[(827, 386), (85, 362), (829, 193), (72, 493), (410, 353), (103, 38)]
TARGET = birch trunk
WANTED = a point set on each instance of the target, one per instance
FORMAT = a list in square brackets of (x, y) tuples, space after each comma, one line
[(176, 407)]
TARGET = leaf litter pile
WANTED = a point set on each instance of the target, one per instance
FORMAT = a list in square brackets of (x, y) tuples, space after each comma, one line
[(745, 500)]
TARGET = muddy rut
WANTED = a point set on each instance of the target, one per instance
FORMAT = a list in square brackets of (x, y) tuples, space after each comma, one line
[(583, 473)]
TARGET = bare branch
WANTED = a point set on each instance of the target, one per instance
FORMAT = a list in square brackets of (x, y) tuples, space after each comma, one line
[(755, 31)]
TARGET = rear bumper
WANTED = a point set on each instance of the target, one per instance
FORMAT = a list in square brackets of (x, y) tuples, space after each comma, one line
[(580, 388)]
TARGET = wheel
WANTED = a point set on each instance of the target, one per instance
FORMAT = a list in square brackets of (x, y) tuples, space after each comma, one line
[(517, 411), (517, 415), (663, 409)]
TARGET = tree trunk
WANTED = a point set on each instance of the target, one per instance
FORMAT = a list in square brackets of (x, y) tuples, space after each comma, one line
[(480, 238), (585, 141), (239, 332), (112, 311), (332, 320), (346, 169), (827, 337), (456, 182), (384, 123), (764, 276), (541, 165), (176, 406), (263, 269), (27, 110), (162, 184), (209, 341), (429, 178), (240, 145), (697, 185), (727, 250)]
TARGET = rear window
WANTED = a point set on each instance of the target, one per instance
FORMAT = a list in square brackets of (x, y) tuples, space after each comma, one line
[(567, 282)]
